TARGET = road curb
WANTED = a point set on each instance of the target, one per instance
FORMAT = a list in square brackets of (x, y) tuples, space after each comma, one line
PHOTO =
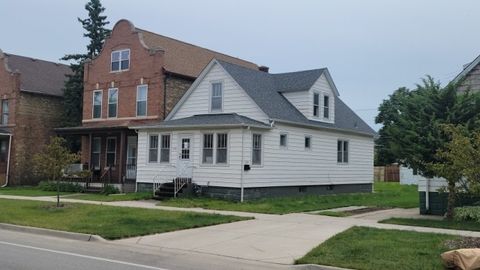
[(55, 233), (317, 267)]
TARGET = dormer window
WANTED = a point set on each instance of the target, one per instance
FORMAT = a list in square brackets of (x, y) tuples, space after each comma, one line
[(316, 104), (216, 97), (121, 60), (326, 107)]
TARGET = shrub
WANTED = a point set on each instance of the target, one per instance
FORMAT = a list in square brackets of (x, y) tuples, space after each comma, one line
[(109, 189), (64, 186), (467, 213)]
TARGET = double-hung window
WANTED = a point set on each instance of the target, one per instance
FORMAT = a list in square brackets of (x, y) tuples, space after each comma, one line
[(342, 151), (97, 104), (308, 142), (112, 102), (153, 148), (316, 104), (142, 93), (283, 140), (257, 149), (207, 157), (222, 144), (96, 148), (216, 97), (326, 107), (120, 60), (111, 151), (165, 148), (5, 112)]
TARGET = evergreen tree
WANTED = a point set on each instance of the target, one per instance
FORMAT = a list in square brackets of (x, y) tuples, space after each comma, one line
[(95, 29)]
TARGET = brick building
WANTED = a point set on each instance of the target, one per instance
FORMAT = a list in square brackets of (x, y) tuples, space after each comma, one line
[(31, 107), (136, 79)]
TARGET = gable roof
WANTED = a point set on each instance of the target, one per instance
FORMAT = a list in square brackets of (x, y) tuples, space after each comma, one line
[(467, 68), (185, 58), (38, 76), (263, 89)]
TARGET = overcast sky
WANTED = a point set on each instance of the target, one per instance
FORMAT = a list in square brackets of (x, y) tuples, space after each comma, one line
[(370, 47)]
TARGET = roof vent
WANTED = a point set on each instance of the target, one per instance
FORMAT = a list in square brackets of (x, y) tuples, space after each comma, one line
[(263, 68)]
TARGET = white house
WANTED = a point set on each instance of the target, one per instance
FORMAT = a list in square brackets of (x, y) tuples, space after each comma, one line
[(241, 134)]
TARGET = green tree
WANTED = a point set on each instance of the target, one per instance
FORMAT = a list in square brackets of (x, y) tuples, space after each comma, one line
[(53, 160), (95, 29)]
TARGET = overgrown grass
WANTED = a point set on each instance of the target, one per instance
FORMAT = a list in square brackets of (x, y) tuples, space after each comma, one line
[(378, 249), (334, 213), (107, 221), (385, 195), (445, 224), (112, 197), (28, 191)]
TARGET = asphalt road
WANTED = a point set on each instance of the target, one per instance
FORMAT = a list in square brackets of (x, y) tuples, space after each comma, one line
[(24, 251)]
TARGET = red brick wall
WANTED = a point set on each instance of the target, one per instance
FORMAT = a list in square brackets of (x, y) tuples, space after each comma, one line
[(143, 64)]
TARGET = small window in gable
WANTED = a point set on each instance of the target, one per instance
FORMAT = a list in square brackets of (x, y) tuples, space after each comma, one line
[(326, 107), (120, 60), (316, 104), (216, 97)]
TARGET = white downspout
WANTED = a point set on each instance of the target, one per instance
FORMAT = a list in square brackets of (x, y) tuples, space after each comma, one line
[(427, 194), (241, 171), (7, 176)]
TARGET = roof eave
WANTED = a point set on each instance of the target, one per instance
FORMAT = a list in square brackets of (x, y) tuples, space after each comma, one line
[(324, 128), (199, 126)]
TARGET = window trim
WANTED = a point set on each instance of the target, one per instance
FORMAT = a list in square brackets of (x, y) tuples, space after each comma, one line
[(146, 101), (343, 151), (149, 135), (106, 151), (214, 149), (160, 147), (93, 103), (99, 153), (326, 107), (310, 142), (116, 104), (120, 61), (211, 110), (316, 105), (262, 146)]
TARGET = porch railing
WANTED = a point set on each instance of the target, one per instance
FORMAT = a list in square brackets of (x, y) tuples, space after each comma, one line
[(179, 183)]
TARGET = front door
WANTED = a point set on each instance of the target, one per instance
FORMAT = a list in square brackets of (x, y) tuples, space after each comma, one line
[(131, 157), (184, 163)]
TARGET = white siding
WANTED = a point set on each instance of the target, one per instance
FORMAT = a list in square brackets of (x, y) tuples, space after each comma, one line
[(295, 165), (215, 175), (434, 186), (235, 100), (303, 100)]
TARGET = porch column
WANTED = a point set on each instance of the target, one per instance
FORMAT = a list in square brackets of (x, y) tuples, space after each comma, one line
[(122, 157)]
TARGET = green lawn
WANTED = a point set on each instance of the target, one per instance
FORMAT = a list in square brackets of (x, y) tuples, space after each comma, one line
[(385, 195), (107, 221), (445, 224), (112, 197), (28, 191), (378, 249)]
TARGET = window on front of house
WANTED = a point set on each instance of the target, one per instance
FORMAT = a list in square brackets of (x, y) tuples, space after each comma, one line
[(96, 148), (121, 60), (111, 151), (207, 148), (216, 97), (142, 93), (342, 151), (112, 102), (165, 148), (5, 112), (316, 104), (256, 149), (153, 148), (308, 142), (326, 107), (97, 104), (283, 140), (222, 142)]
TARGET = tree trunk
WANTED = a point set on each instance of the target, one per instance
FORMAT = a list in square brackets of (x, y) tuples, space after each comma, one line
[(451, 200), (58, 190)]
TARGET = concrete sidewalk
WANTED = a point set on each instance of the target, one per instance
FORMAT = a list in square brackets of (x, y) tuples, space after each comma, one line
[(267, 238)]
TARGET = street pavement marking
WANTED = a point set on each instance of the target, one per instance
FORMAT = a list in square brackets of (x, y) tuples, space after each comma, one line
[(83, 256)]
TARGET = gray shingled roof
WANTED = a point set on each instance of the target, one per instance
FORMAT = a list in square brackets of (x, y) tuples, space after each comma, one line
[(265, 89), (38, 76), (206, 120)]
